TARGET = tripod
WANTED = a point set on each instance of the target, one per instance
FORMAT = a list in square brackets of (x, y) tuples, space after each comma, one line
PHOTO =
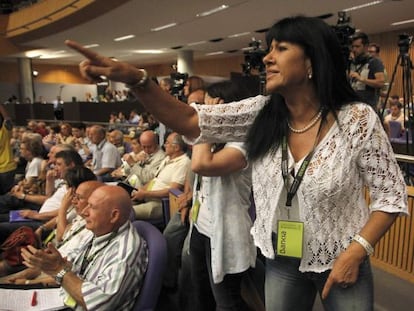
[(404, 61)]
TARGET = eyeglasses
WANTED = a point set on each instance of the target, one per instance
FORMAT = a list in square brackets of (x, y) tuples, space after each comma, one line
[(78, 197)]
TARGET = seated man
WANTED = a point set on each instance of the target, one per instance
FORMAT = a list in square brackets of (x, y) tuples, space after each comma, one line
[(18, 199), (64, 160), (116, 138), (171, 174), (105, 156), (148, 161), (107, 271)]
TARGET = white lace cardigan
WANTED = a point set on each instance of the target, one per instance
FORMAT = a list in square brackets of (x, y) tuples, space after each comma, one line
[(331, 203)]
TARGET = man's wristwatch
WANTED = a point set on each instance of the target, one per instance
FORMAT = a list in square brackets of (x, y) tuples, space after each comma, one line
[(61, 274)]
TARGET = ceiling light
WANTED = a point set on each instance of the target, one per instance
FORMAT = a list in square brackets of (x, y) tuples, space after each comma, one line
[(403, 22), (212, 11), (215, 53), (93, 45), (196, 43), (33, 54), (239, 34), (124, 38), (357, 7), (164, 27), (148, 51)]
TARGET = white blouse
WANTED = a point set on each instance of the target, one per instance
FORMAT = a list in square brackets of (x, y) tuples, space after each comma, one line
[(330, 200)]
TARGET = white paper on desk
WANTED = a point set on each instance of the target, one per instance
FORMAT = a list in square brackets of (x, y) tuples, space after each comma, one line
[(21, 299)]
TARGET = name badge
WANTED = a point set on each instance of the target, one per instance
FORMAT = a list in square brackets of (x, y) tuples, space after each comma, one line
[(289, 239), (69, 302), (194, 210)]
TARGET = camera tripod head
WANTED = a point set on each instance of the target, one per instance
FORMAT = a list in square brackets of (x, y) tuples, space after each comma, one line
[(404, 42)]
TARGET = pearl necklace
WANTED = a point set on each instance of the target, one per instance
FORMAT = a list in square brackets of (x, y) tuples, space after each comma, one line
[(307, 127)]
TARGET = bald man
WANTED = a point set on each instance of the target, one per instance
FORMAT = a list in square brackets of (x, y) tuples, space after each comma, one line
[(146, 167), (107, 271)]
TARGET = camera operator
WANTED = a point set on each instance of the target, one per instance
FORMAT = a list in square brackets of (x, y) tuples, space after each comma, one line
[(366, 73)]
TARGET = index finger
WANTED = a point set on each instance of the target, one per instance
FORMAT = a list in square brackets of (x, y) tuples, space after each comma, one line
[(327, 288), (82, 50)]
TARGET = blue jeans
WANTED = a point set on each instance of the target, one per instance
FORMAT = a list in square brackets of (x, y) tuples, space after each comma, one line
[(286, 288), (175, 234)]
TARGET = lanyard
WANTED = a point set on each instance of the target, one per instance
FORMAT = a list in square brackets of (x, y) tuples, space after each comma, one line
[(71, 236), (299, 176), (88, 259)]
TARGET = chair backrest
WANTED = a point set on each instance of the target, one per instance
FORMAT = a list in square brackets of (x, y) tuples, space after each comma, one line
[(157, 261), (395, 129)]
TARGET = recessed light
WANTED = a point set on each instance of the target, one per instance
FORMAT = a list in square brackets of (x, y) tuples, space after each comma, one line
[(124, 38), (148, 51), (215, 53), (212, 11), (239, 34), (357, 7), (196, 43), (164, 27), (403, 22)]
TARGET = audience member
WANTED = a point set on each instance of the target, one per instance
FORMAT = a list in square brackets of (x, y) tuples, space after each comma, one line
[(116, 138), (52, 137), (31, 149), (109, 267), (134, 117), (192, 84), (148, 162), (81, 141), (65, 226), (63, 161), (171, 174), (395, 115), (65, 134), (105, 156), (129, 159), (7, 163)]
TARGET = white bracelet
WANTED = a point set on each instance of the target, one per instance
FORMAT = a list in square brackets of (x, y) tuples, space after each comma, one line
[(142, 83), (364, 243)]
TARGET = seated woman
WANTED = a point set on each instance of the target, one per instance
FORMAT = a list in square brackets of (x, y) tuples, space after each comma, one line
[(64, 227)]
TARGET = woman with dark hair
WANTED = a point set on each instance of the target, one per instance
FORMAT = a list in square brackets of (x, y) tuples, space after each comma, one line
[(221, 249), (314, 149)]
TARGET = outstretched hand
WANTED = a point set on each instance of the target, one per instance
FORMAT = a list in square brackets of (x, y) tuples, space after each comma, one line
[(97, 66)]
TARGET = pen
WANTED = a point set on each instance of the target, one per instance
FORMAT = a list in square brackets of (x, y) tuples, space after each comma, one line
[(34, 299)]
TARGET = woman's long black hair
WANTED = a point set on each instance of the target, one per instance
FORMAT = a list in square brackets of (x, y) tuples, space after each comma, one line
[(322, 47)]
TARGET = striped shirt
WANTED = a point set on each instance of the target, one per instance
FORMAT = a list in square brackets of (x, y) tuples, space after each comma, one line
[(114, 274)]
